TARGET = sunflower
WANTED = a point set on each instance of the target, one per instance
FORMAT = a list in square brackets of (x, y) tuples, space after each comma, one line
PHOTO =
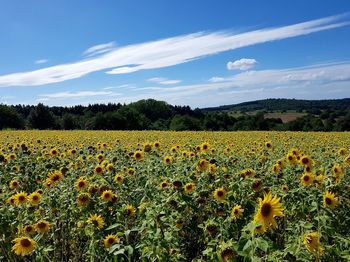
[(98, 169), (55, 177), (81, 183), (220, 194), (110, 167), (119, 178), (20, 198), (29, 230), (42, 226), (34, 198), (284, 188), (13, 184), (202, 165), (212, 168), (147, 147), (237, 212), (257, 185), (269, 208), (291, 159), (138, 155), (130, 210), (96, 220), (54, 152), (305, 161), (83, 199), (347, 160), (205, 147), (23, 246), (268, 145), (307, 179), (109, 240), (157, 144), (107, 195), (163, 184), (338, 172), (100, 158), (189, 188), (330, 200), (312, 242), (168, 160)]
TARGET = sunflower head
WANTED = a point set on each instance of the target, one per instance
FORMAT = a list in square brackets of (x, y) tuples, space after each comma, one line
[(269, 208), (96, 220), (220, 194), (189, 188), (42, 226), (107, 195), (312, 242), (23, 246), (237, 212), (307, 179), (34, 198), (109, 240), (83, 199), (20, 198), (330, 200)]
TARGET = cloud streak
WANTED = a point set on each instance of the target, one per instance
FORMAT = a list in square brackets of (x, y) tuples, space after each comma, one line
[(166, 52)]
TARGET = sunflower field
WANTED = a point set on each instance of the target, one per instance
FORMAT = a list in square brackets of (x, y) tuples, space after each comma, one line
[(174, 196)]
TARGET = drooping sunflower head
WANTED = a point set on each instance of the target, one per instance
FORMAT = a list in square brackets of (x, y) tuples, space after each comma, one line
[(130, 210), (23, 246), (269, 208), (330, 200), (237, 212), (96, 220), (109, 240), (83, 199), (220, 194), (257, 185), (312, 241)]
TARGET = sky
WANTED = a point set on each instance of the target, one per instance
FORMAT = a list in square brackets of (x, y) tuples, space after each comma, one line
[(186, 52)]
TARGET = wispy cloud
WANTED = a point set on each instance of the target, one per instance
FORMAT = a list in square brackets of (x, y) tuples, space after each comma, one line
[(163, 81), (99, 49), (290, 82), (79, 94), (242, 64), (166, 52), (41, 61)]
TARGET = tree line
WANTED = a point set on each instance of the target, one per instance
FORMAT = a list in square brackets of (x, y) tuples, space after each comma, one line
[(151, 114)]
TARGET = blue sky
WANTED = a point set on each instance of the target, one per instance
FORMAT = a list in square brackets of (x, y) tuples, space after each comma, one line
[(197, 53)]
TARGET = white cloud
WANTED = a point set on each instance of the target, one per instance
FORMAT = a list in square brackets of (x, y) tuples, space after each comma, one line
[(167, 52), (163, 81), (78, 94), (41, 61), (242, 64), (216, 79), (99, 49)]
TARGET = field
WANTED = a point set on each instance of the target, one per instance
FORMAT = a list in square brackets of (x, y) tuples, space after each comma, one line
[(174, 196)]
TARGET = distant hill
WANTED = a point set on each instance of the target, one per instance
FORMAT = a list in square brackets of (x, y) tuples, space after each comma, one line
[(309, 106)]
